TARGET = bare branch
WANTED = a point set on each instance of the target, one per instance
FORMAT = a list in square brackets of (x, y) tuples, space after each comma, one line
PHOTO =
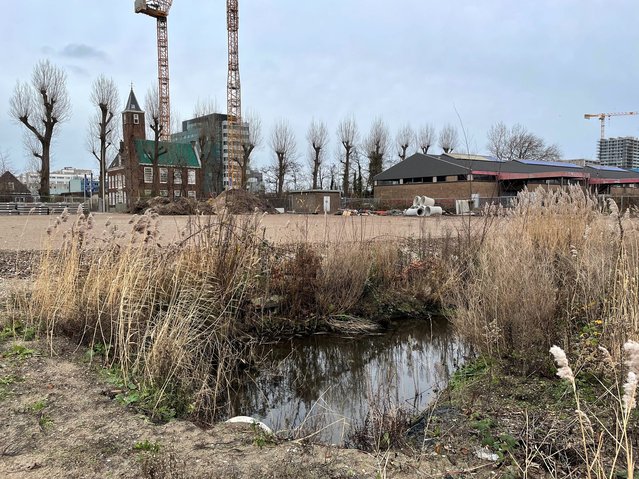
[(426, 138), (283, 144), (317, 136), (405, 138), (448, 138), (348, 136), (40, 107), (376, 147), (517, 143)]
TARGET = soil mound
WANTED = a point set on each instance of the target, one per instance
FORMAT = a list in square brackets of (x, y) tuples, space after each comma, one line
[(240, 201)]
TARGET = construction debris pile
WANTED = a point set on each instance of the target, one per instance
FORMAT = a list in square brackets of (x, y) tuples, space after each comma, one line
[(423, 206)]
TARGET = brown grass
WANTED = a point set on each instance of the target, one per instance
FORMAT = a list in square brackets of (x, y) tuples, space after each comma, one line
[(180, 320)]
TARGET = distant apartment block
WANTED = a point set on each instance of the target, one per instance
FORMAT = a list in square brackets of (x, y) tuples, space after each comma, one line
[(619, 152), (65, 181), (210, 134)]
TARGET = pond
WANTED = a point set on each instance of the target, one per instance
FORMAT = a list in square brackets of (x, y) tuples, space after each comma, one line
[(324, 384)]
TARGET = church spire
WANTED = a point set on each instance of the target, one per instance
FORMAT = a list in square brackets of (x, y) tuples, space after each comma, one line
[(132, 103)]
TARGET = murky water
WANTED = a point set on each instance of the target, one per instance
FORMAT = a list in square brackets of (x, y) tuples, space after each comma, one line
[(327, 382)]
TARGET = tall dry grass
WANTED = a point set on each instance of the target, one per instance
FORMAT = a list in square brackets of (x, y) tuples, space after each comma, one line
[(555, 263), (181, 319)]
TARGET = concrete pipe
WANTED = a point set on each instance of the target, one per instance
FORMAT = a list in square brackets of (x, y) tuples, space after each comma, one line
[(433, 210), (417, 201), (414, 211), (426, 201)]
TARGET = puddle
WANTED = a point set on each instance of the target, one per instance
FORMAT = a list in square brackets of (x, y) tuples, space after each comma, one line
[(327, 382)]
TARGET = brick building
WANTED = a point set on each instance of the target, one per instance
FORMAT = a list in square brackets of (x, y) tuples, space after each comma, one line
[(11, 189), (134, 174), (449, 177)]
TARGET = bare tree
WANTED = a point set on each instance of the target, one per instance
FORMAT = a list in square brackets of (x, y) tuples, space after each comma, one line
[(102, 128), (40, 107), (405, 138), (207, 123), (517, 143), (283, 145), (249, 142), (348, 135), (448, 138), (376, 147), (152, 107), (5, 163), (317, 137), (426, 138)]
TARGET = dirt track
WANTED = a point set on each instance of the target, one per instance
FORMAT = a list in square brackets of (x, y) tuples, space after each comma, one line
[(29, 232)]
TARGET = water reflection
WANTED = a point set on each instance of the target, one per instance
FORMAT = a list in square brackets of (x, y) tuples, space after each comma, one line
[(319, 381)]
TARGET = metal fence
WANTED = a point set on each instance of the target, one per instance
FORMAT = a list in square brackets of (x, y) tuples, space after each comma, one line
[(22, 208)]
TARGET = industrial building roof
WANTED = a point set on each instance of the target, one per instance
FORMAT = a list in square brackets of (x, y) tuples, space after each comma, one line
[(420, 165), (171, 153)]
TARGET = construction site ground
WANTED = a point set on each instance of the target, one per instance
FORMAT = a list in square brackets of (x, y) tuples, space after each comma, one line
[(29, 232)]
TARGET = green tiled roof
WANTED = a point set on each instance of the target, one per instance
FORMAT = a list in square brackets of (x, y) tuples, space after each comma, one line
[(171, 154)]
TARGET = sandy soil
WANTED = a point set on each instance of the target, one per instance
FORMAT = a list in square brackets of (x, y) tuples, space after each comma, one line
[(29, 232), (57, 420)]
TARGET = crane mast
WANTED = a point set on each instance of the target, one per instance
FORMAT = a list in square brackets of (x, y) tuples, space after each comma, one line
[(159, 9), (233, 98), (602, 118)]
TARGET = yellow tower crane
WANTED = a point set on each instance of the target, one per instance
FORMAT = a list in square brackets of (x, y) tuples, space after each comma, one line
[(602, 118), (234, 99), (159, 9)]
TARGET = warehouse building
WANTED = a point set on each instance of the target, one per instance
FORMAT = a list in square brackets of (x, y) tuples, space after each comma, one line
[(449, 177)]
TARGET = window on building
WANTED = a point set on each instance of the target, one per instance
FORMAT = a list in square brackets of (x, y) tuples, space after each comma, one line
[(164, 193), (191, 177), (191, 194), (136, 119), (164, 175), (148, 174), (11, 186), (118, 197), (177, 177), (177, 193), (441, 179), (148, 193)]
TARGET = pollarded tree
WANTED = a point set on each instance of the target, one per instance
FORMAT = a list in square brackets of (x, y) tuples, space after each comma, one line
[(102, 128), (448, 138), (317, 137), (283, 145), (376, 148), (517, 143), (405, 138), (41, 106), (249, 143), (348, 136), (426, 138)]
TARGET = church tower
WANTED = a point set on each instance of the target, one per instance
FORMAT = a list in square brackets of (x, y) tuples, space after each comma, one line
[(133, 128)]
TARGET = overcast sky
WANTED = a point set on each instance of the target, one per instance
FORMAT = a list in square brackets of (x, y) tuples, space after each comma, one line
[(541, 63)]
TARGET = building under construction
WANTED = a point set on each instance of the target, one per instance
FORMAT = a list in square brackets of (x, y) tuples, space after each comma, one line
[(620, 152), (211, 135)]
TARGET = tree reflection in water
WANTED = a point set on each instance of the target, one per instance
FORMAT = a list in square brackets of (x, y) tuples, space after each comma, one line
[(321, 380)]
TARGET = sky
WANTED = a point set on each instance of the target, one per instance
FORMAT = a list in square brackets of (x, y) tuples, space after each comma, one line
[(541, 63)]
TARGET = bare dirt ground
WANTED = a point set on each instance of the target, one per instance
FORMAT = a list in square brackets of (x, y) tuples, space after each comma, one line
[(30, 232), (57, 420)]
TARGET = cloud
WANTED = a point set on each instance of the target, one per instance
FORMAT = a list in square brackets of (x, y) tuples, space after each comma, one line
[(82, 51), (83, 72)]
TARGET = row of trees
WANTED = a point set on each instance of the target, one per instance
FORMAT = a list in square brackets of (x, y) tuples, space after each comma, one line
[(356, 160), (43, 103)]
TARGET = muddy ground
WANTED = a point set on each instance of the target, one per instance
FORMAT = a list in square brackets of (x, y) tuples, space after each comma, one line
[(58, 420)]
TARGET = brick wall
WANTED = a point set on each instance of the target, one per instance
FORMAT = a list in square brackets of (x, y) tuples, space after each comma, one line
[(445, 190)]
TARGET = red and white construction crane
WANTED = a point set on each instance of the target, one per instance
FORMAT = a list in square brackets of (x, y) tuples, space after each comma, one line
[(234, 97), (159, 9), (602, 117)]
